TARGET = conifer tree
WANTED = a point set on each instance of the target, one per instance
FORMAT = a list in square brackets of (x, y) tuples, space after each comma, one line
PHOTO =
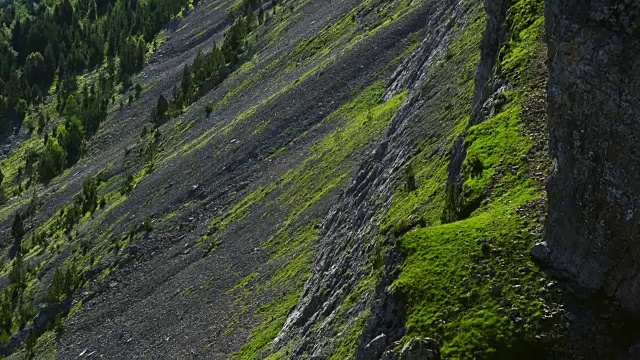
[(186, 82), (162, 107)]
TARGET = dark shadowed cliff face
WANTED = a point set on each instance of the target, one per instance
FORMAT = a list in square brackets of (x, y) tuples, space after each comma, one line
[(594, 127)]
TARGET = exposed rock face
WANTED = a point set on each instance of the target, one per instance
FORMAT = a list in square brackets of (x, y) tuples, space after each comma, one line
[(594, 123), (421, 349), (374, 349), (492, 40), (488, 89), (415, 349), (351, 226)]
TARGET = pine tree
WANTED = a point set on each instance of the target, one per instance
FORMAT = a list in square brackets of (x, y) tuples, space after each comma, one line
[(17, 228), (17, 273), (410, 177), (186, 82), (162, 107), (199, 69)]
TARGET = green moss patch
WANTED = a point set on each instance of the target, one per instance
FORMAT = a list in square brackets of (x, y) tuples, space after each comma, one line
[(525, 19), (467, 282), (471, 283)]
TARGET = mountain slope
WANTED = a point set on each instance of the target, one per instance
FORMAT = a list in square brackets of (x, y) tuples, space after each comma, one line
[(204, 166), (356, 179)]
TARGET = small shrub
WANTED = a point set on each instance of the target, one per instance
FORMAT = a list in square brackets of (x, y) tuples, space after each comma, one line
[(132, 232), (476, 166), (66, 280), (51, 160), (127, 185), (17, 228), (138, 90), (146, 224), (449, 211), (150, 152), (401, 228), (161, 108), (33, 206), (410, 177), (30, 344)]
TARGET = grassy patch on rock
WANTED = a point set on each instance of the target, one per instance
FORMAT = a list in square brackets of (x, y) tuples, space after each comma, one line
[(471, 284), (452, 106)]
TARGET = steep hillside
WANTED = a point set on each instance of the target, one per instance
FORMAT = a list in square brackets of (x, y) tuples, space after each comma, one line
[(302, 179)]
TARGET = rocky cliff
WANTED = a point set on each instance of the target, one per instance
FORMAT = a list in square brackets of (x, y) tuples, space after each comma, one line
[(594, 134)]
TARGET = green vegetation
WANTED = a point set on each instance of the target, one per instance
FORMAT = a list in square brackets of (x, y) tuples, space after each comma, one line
[(349, 340), (28, 286), (49, 45), (466, 282), (275, 314), (466, 274), (244, 282), (207, 71), (424, 205), (470, 283), (364, 20), (325, 168), (485, 144), (57, 40), (525, 19), (336, 40), (65, 281)]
